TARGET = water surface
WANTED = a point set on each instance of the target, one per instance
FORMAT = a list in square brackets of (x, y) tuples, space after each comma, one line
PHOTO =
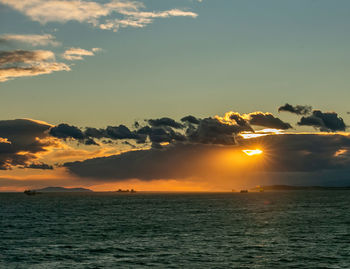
[(294, 229)]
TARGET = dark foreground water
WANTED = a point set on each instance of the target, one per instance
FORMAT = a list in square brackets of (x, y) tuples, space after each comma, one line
[(295, 229)]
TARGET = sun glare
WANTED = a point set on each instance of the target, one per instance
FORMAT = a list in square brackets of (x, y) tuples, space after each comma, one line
[(251, 152)]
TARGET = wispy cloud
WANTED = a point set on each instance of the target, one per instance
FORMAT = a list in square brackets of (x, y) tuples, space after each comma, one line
[(95, 13), (78, 53), (140, 19), (33, 40), (24, 63)]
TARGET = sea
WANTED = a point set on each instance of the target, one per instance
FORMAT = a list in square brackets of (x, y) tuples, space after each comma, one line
[(284, 229)]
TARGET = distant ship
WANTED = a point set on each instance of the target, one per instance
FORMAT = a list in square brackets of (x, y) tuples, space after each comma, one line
[(244, 191), (126, 191), (31, 192)]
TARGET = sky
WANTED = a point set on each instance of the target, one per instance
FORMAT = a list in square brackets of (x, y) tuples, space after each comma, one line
[(97, 94)]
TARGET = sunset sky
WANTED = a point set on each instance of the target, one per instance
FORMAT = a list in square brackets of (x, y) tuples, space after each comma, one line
[(174, 95)]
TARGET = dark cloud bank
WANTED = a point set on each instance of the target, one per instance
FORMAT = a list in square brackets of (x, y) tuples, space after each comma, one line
[(287, 154), (188, 142)]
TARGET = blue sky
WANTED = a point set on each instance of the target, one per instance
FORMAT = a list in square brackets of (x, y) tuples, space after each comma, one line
[(236, 55)]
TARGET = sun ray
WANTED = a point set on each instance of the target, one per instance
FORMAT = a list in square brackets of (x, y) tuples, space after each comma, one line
[(252, 152)]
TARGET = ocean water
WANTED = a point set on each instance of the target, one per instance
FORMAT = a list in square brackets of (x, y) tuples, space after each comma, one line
[(295, 229)]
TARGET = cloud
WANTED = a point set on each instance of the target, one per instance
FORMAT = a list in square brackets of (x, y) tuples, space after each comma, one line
[(119, 132), (169, 163), (33, 40), (304, 152), (139, 19), (162, 122), (22, 140), (65, 131), (267, 120), (23, 63), (40, 165), (25, 56), (165, 149), (87, 136), (327, 122), (78, 53), (45, 11), (288, 153), (101, 15), (190, 119), (324, 121), (298, 109), (216, 130), (158, 135)]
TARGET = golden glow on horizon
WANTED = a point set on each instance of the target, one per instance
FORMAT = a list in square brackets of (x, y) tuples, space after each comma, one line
[(252, 152)]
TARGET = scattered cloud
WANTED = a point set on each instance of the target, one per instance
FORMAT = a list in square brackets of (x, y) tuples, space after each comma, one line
[(23, 63), (101, 15), (33, 40), (78, 53), (267, 120), (109, 15), (298, 109), (140, 19)]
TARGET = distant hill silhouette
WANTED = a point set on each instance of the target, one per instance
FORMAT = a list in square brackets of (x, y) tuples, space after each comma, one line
[(296, 188), (62, 189)]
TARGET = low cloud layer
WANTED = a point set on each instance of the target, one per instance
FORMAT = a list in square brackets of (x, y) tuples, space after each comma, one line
[(292, 153), (167, 149)]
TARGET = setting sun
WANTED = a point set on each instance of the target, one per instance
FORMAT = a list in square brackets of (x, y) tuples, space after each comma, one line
[(251, 152)]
